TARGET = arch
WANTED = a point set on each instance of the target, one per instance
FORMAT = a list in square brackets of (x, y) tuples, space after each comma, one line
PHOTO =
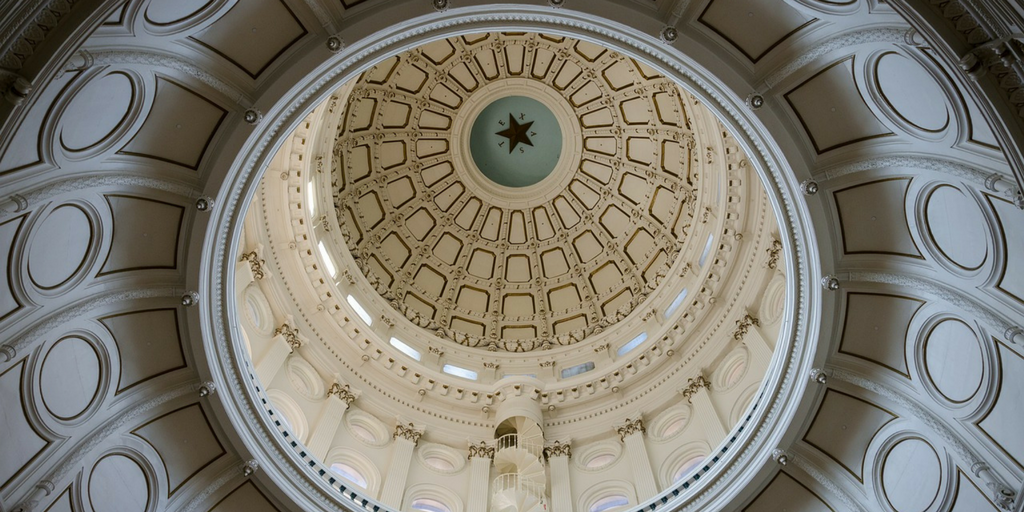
[(304, 379), (363, 467), (597, 456), (291, 419), (731, 371), (259, 316), (743, 402), (607, 496), (432, 498), (366, 428), (670, 422), (440, 458), (681, 463)]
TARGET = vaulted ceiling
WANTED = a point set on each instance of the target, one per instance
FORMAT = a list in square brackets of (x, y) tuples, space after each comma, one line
[(902, 120)]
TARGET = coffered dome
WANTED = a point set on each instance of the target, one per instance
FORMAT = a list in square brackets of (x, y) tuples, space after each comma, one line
[(511, 244)]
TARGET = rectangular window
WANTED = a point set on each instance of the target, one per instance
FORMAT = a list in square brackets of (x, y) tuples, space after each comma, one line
[(534, 375), (707, 250), (633, 343), (573, 371), (359, 310), (676, 303), (310, 199), (405, 349), (327, 260), (459, 371)]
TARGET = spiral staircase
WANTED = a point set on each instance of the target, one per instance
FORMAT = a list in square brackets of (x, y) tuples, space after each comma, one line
[(521, 482)]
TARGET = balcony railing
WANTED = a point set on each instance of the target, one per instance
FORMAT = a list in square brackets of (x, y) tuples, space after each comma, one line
[(513, 482), (516, 441)]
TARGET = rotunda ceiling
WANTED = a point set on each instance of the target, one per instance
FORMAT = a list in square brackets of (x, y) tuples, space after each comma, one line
[(515, 191)]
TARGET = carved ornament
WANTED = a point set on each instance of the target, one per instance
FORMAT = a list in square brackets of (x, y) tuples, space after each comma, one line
[(632, 426), (409, 432), (693, 386)]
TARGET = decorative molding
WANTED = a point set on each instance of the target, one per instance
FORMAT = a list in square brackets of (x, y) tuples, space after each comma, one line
[(43, 193), (113, 428), (944, 292), (199, 500), (19, 46), (115, 57), (826, 481), (694, 385), (630, 427), (892, 35), (926, 163), (930, 420), (1003, 494), (73, 311)]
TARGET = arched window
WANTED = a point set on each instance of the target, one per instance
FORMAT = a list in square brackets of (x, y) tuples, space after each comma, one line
[(429, 505), (686, 468), (350, 473), (607, 503)]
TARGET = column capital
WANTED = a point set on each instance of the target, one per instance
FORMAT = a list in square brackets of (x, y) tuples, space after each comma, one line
[(408, 431), (558, 449), (743, 325), (290, 335), (256, 263), (774, 252), (343, 392), (481, 450), (630, 427), (693, 385)]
